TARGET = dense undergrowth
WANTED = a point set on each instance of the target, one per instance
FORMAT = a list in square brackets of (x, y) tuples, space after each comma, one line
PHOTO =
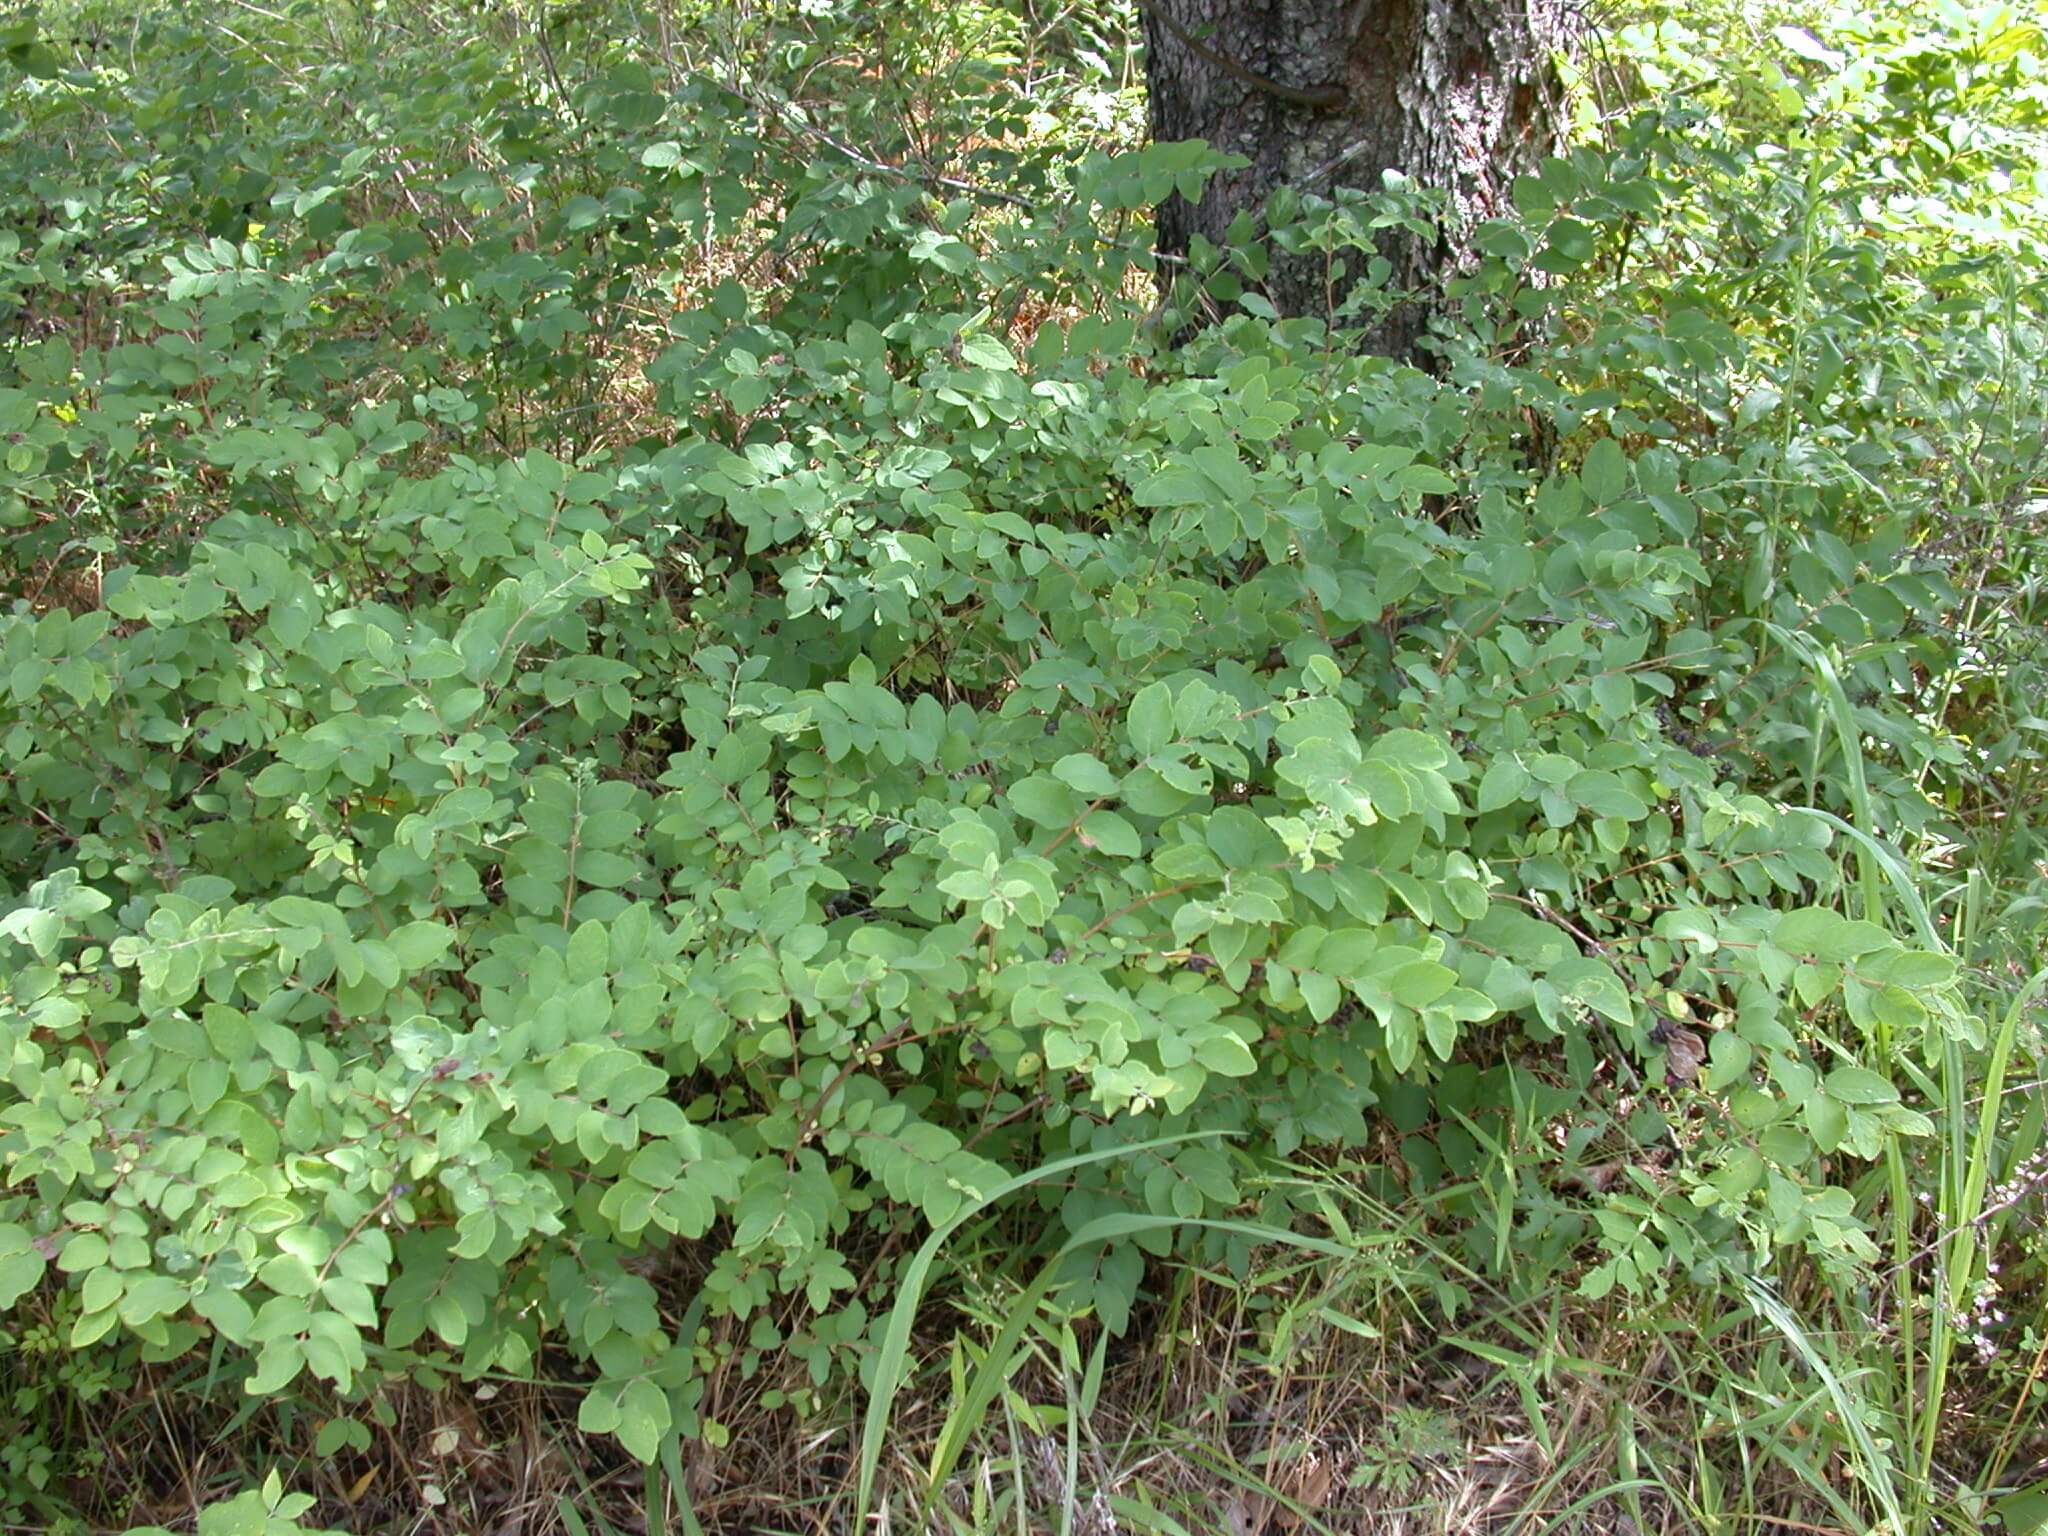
[(692, 836)]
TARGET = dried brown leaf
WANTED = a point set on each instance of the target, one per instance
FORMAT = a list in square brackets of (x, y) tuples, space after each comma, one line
[(1247, 1513), (1307, 1487), (1684, 1052)]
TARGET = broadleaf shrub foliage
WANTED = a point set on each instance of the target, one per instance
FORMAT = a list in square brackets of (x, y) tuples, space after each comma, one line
[(456, 849)]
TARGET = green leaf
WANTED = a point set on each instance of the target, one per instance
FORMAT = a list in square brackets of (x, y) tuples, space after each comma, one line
[(1730, 1056), (1419, 983), (152, 1296), (1603, 794), (1109, 833), (1605, 472), (1912, 968), (1413, 750), (1860, 1086), (1808, 931), (21, 1265), (1225, 1054), (226, 1310), (1594, 983), (1085, 775), (1150, 720), (985, 351), (589, 954), (643, 1419), (420, 945), (85, 1250), (1045, 801), (1505, 782)]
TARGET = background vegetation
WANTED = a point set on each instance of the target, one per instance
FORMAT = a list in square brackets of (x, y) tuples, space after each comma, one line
[(695, 838)]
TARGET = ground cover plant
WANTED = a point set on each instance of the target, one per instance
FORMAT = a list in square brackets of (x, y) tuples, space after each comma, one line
[(709, 826)]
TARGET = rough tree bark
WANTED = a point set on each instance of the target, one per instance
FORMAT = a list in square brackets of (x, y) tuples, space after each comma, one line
[(1455, 93)]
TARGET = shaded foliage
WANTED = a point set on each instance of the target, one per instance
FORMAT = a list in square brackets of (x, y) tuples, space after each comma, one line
[(634, 678)]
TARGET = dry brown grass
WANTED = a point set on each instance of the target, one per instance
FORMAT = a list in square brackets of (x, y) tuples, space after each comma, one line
[(1204, 1416)]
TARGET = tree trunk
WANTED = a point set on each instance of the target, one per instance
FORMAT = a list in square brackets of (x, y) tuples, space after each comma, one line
[(1455, 93)]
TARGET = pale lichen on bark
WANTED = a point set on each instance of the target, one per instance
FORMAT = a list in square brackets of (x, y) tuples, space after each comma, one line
[(1455, 94)]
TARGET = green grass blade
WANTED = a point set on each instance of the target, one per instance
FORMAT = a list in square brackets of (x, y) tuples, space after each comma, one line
[(1848, 1406), (894, 1352)]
